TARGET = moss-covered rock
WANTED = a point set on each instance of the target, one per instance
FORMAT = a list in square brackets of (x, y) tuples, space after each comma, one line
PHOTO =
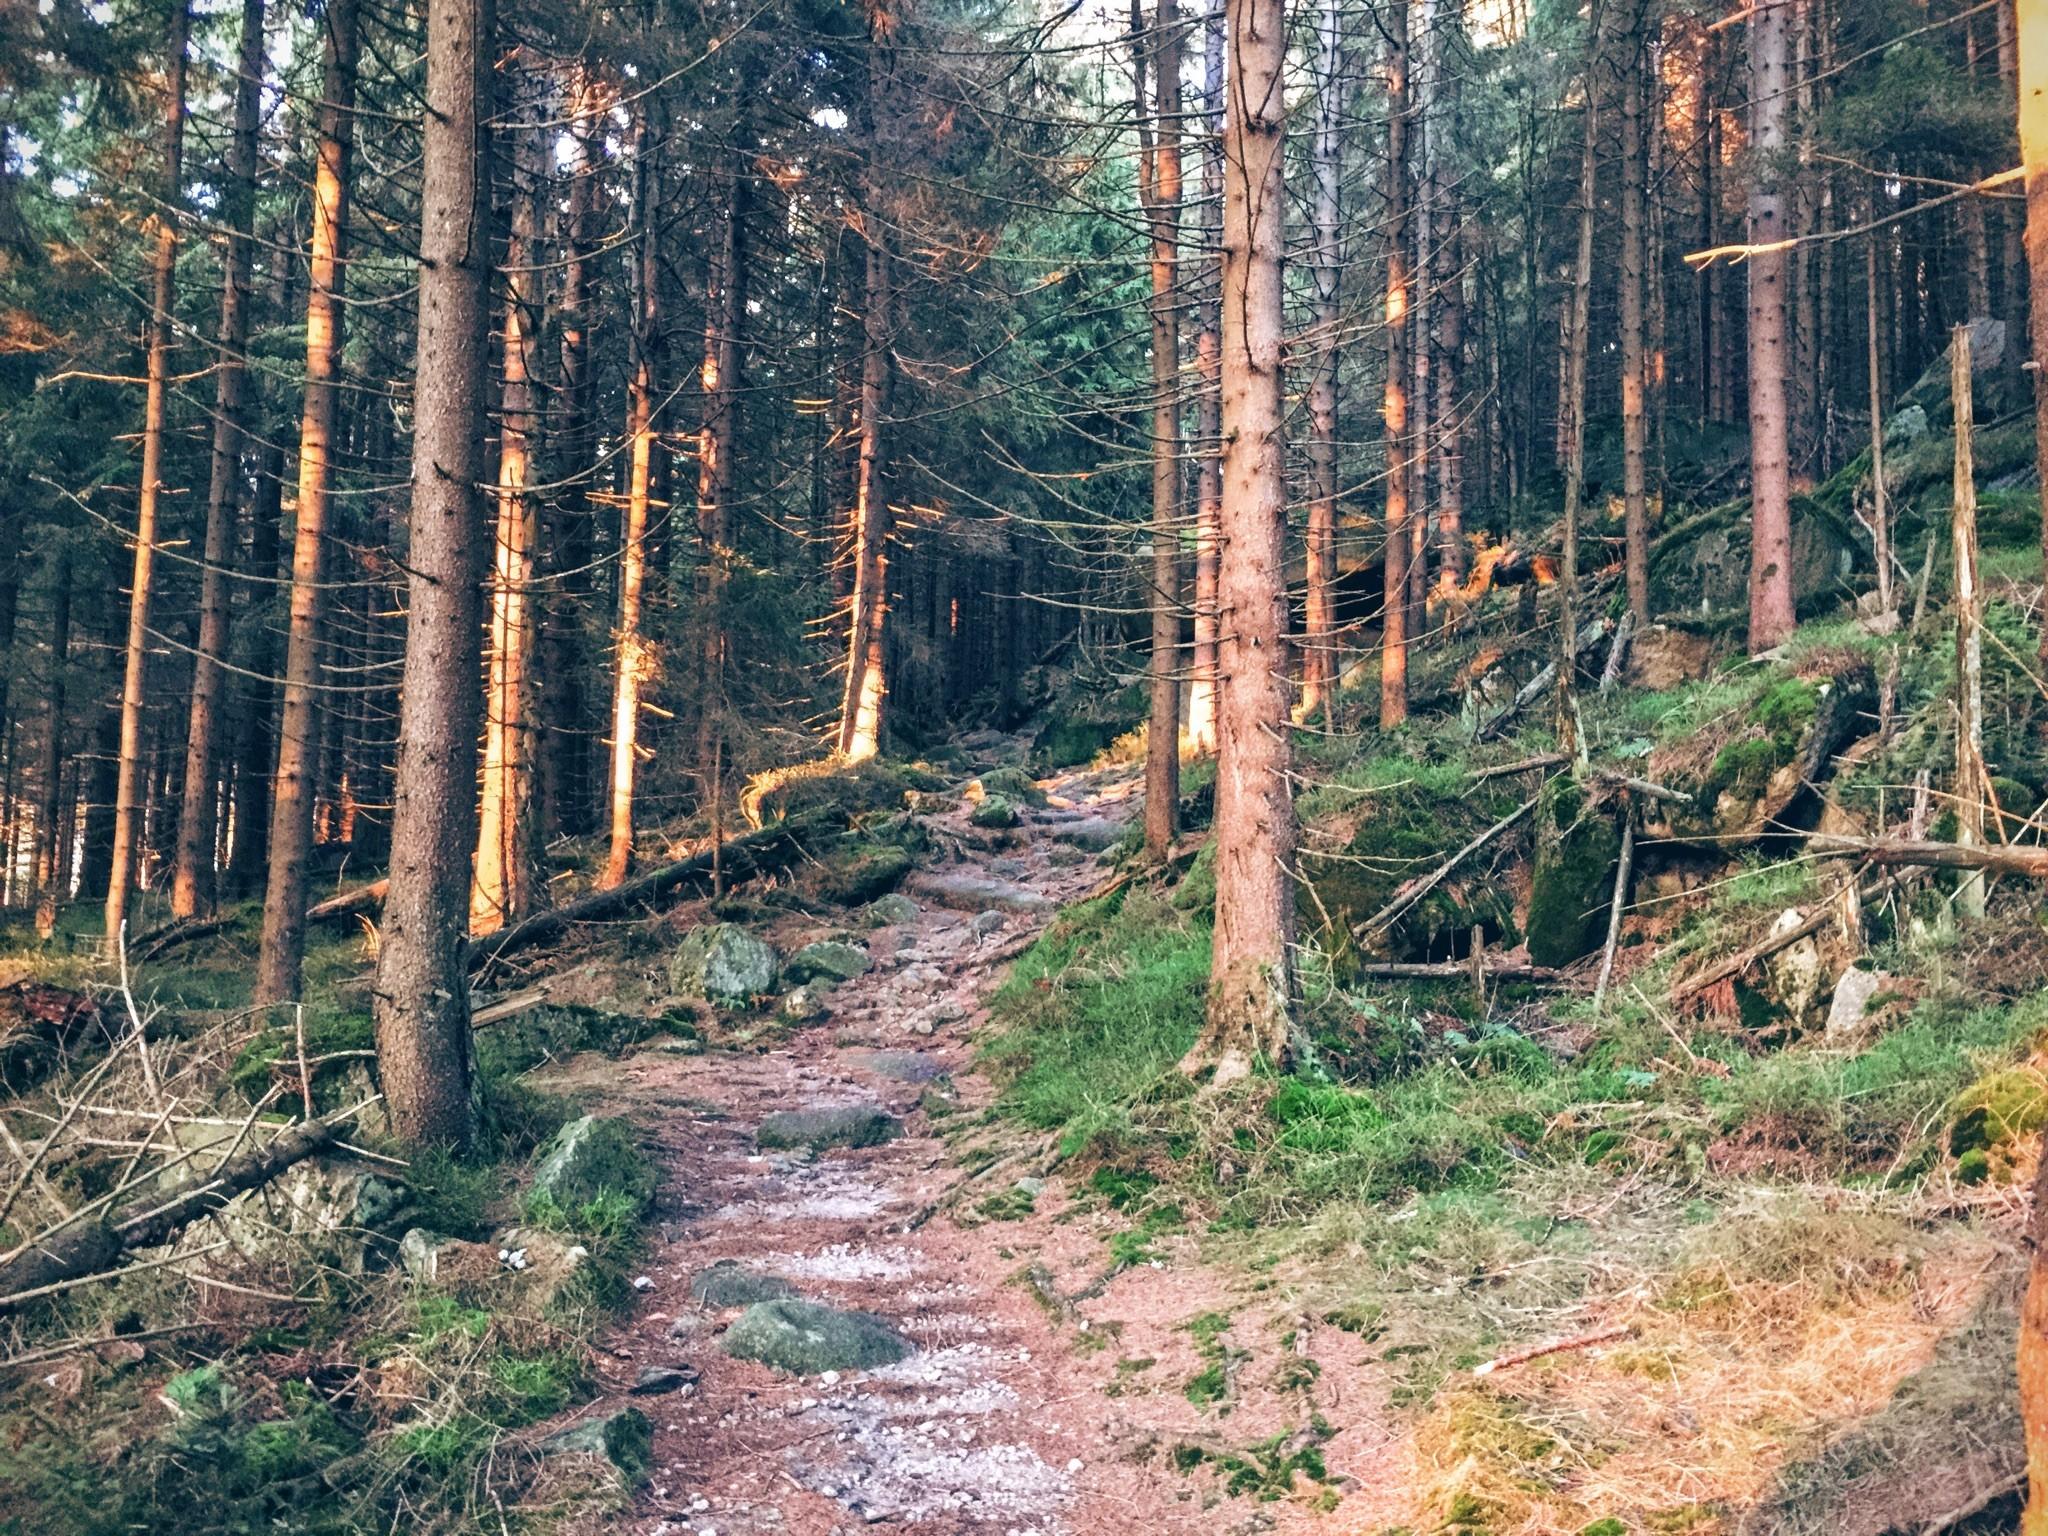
[(804, 1339), (1571, 888), (625, 1438), (1067, 741), (995, 812), (827, 960), (846, 1125), (723, 963), (1011, 783), (1990, 1121), (590, 1158), (553, 1031), (865, 874), (729, 1283), (890, 911)]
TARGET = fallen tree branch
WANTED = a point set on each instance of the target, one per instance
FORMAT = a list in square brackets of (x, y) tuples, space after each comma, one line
[(1610, 779), (1908, 853), (1407, 898), (757, 853), (1553, 1347), (1455, 970), (1523, 765), (1736, 964), (360, 898), (1615, 907), (147, 1222), (1589, 635)]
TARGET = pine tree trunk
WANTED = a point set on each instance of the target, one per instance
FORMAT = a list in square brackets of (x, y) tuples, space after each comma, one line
[(1209, 400), (1634, 416), (1422, 79), (1251, 980), (1161, 192), (1572, 408), (725, 319), (1319, 657), (283, 947), (2032, 68), (53, 838), (130, 783), (635, 664), (507, 852), (422, 990), (1394, 407), (192, 875), (861, 708), (1770, 578), (1450, 290)]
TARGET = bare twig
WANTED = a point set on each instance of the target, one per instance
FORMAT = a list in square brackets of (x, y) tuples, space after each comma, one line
[(1553, 1347), (1407, 898)]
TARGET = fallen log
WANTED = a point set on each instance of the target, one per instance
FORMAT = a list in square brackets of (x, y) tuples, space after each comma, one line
[(1456, 970), (1912, 853), (1727, 970), (360, 898), (756, 853), (1588, 635), (38, 1025), (149, 1221)]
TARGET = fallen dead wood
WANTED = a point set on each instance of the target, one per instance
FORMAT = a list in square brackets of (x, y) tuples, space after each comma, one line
[(1607, 778), (1727, 970), (360, 898), (1409, 895), (38, 1025), (1456, 970), (1523, 765), (84, 1250), (1908, 853), (741, 858), (1552, 1347), (1589, 635)]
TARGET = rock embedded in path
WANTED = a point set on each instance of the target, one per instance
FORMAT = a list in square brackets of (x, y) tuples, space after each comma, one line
[(996, 812), (805, 1339), (800, 1005), (827, 960), (595, 1155), (890, 911), (723, 963), (657, 1380), (973, 893), (624, 1438), (846, 1125), (1092, 834), (729, 1283), (897, 1065)]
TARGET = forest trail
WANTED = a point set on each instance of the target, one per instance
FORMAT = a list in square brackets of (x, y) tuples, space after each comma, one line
[(1045, 1391)]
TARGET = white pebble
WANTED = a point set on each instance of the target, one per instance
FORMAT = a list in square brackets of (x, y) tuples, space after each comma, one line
[(642, 1283), (1074, 1465), (830, 1378)]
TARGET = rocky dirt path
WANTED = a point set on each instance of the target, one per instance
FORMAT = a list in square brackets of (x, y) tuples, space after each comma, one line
[(1010, 1416)]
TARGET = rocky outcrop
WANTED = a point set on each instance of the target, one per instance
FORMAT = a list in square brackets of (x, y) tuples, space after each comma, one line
[(589, 1157)]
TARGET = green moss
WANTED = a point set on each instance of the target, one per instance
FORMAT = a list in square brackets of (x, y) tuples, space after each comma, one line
[(864, 874), (1572, 882)]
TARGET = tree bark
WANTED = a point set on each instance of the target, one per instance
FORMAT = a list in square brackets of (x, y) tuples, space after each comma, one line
[(1251, 979), (1209, 400), (636, 663), (53, 839), (122, 869), (1572, 408), (1971, 777), (507, 851), (422, 994), (283, 946), (1450, 287), (1634, 355), (1160, 191), (861, 711), (1319, 609), (192, 875), (1394, 398), (2033, 113), (1771, 617)]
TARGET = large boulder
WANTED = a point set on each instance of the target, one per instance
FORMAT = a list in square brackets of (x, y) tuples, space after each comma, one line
[(593, 1156), (995, 813), (805, 1339), (729, 1283), (1571, 886), (866, 875), (723, 963), (624, 1437), (846, 1125), (827, 960)]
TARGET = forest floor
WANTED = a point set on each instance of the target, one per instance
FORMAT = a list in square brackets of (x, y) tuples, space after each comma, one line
[(1032, 1403)]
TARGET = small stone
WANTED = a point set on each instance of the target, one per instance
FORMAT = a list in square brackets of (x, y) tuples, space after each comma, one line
[(830, 1378), (890, 911), (986, 923), (729, 1283), (643, 1283), (827, 960), (654, 1380), (1075, 1465)]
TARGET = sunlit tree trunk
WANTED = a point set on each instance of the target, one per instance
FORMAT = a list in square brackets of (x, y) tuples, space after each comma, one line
[(635, 664), (1571, 409), (1394, 406), (1319, 615), (1770, 575), (283, 945), (2032, 20), (421, 998), (1209, 401), (1160, 188), (1451, 427), (1422, 83), (862, 706), (506, 852), (130, 784), (1251, 979), (192, 875)]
